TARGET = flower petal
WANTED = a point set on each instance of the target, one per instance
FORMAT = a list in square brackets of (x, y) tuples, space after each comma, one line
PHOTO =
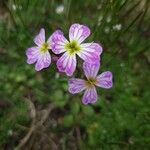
[(67, 64), (55, 58), (76, 85), (39, 64), (104, 80), (78, 32), (90, 70), (44, 60), (58, 42), (49, 42), (90, 96), (40, 38), (90, 52), (32, 54)]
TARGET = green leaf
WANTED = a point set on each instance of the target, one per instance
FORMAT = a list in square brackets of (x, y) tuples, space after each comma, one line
[(68, 120), (88, 110), (75, 107)]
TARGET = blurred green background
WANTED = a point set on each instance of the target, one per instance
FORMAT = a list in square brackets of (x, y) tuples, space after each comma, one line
[(121, 117)]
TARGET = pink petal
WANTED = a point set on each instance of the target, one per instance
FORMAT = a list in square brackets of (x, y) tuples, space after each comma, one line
[(32, 54), (55, 58), (46, 59), (90, 70), (78, 32), (90, 96), (39, 64), (49, 42), (43, 61), (104, 80), (31, 60), (40, 38), (76, 85), (58, 42), (67, 64), (90, 52)]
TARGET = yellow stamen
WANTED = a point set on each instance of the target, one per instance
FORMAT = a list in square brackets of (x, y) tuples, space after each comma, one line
[(72, 47), (44, 47), (91, 82)]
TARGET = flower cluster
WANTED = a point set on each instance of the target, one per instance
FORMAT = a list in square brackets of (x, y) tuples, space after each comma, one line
[(71, 49)]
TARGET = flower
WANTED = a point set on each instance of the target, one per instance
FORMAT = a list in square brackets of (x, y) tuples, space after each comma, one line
[(60, 9), (108, 19), (103, 80), (89, 52), (117, 27), (107, 29), (39, 54)]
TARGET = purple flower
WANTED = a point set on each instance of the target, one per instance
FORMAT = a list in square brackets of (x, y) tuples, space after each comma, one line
[(103, 80), (39, 54), (89, 52)]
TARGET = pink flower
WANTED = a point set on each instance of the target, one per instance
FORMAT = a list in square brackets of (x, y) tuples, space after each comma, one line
[(103, 80), (39, 54), (89, 52)]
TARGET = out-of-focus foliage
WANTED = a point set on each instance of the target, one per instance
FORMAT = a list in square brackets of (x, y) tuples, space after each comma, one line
[(121, 118)]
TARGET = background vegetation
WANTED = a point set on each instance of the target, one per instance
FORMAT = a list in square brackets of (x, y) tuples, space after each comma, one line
[(121, 117)]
